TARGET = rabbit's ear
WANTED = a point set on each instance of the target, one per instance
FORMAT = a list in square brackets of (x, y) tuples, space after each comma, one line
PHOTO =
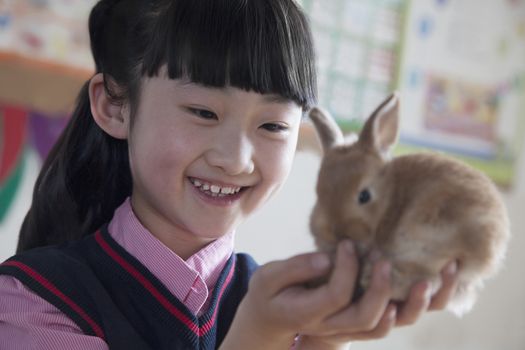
[(327, 129), (382, 127)]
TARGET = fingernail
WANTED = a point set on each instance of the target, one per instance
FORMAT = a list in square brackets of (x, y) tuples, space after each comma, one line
[(386, 269), (452, 268), (349, 246), (427, 294), (320, 262), (392, 314)]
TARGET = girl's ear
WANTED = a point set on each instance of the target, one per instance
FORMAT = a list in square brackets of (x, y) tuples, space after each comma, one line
[(110, 116), (381, 130)]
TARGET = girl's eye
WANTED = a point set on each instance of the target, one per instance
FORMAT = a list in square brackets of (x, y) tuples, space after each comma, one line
[(202, 113), (275, 127)]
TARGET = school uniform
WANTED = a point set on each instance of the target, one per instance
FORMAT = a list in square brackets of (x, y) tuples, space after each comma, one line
[(121, 288)]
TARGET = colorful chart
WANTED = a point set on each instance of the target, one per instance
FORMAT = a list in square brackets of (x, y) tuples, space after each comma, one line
[(19, 130), (358, 47)]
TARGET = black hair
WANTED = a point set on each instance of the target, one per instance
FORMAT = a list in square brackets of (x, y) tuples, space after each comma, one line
[(256, 45)]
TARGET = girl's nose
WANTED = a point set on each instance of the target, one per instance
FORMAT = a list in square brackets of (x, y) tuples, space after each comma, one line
[(233, 154)]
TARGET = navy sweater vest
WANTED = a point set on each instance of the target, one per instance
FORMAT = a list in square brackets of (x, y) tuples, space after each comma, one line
[(110, 294)]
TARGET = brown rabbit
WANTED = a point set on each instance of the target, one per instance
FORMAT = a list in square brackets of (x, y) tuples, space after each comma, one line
[(420, 211)]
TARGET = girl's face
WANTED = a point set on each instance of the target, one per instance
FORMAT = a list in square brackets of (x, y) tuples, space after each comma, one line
[(203, 158)]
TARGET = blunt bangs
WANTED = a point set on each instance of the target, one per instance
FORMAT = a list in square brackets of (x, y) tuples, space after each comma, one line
[(256, 45)]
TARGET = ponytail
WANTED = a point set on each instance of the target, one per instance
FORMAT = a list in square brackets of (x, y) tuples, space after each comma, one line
[(86, 175), (84, 178)]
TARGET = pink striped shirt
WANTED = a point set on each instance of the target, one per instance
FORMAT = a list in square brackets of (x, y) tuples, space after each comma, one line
[(29, 322)]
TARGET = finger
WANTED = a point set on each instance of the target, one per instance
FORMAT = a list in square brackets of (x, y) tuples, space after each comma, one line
[(376, 297), (337, 293), (448, 287), (416, 305), (277, 275), (344, 275), (384, 326), (365, 315)]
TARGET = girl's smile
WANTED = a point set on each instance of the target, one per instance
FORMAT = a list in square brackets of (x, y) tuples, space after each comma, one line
[(215, 193)]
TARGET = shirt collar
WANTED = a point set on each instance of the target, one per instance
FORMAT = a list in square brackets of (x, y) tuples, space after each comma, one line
[(175, 273)]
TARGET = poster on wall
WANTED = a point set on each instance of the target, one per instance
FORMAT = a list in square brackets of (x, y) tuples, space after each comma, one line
[(466, 114), (47, 30), (463, 82)]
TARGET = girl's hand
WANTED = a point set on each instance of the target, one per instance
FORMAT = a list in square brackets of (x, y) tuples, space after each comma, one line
[(420, 301), (278, 306), (395, 315)]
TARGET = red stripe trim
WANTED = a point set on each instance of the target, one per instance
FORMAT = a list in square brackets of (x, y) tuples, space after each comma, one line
[(147, 284), (53, 289), (199, 331), (208, 325)]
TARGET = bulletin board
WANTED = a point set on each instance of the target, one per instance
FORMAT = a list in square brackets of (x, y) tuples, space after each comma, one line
[(358, 48), (462, 80), (459, 66)]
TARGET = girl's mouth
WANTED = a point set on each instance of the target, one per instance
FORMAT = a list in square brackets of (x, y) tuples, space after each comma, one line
[(216, 190)]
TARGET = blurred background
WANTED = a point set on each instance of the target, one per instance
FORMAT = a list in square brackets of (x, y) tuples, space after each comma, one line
[(459, 66)]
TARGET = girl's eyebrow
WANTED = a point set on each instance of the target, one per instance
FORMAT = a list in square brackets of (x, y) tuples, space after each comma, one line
[(276, 98), (185, 82), (268, 97)]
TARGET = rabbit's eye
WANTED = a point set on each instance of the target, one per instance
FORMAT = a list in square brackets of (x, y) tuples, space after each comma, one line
[(364, 196)]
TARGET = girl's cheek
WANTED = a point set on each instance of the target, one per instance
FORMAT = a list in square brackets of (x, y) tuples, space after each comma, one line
[(280, 160)]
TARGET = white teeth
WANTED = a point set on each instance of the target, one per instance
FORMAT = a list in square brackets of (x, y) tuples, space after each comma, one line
[(215, 189)]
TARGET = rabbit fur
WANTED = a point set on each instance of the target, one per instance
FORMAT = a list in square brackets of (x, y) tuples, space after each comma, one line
[(419, 211)]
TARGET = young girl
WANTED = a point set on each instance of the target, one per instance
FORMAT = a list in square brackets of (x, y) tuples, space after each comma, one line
[(189, 125)]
